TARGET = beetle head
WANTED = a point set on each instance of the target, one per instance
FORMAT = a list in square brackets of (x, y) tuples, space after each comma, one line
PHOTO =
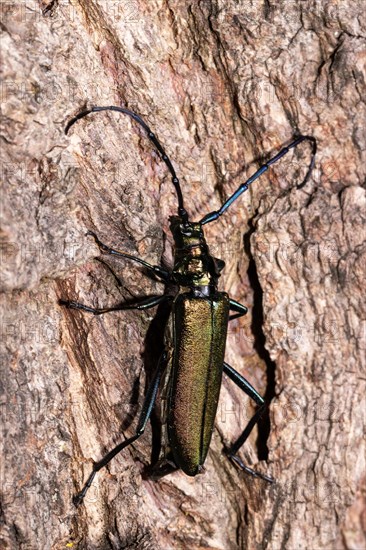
[(194, 265), (186, 234)]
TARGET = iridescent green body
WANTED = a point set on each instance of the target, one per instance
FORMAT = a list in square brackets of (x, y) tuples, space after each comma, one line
[(192, 361), (199, 329), (199, 321)]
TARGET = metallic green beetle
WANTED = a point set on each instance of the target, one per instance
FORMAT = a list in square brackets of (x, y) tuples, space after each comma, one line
[(192, 362)]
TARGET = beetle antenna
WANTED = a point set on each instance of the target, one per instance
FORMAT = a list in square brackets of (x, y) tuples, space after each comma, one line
[(181, 210), (212, 216)]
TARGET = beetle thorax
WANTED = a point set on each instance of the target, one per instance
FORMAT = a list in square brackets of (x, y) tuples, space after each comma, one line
[(193, 264)]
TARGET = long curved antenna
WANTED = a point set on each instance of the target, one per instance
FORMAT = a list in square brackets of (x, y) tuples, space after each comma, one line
[(181, 210), (212, 216)]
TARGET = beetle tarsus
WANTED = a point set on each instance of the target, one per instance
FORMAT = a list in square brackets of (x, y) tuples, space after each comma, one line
[(75, 305), (79, 497), (254, 473), (101, 245), (238, 462)]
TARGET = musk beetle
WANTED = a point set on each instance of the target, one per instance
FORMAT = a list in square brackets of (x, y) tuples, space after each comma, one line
[(192, 362)]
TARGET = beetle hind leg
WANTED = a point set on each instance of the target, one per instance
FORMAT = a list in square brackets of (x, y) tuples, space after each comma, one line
[(247, 388), (162, 468), (143, 420)]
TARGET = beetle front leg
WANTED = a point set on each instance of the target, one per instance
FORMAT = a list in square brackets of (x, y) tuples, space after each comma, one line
[(143, 420), (147, 303), (247, 388), (157, 270), (239, 308)]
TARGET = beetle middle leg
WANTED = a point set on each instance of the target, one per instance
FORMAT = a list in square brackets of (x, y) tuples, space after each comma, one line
[(143, 420), (147, 303), (239, 308), (244, 385)]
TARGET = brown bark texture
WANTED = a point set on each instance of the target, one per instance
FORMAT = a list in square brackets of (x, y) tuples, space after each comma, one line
[(224, 84)]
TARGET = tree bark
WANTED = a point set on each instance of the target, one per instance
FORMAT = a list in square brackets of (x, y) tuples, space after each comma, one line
[(224, 85)]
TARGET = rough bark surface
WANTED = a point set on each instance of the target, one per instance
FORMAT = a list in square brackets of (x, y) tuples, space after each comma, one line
[(224, 84)]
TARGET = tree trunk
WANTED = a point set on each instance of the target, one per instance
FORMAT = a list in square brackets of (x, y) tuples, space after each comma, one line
[(224, 85)]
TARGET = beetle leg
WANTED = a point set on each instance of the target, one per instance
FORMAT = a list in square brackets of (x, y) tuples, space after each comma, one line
[(244, 385), (157, 270), (239, 308), (164, 467), (144, 417), (151, 301)]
